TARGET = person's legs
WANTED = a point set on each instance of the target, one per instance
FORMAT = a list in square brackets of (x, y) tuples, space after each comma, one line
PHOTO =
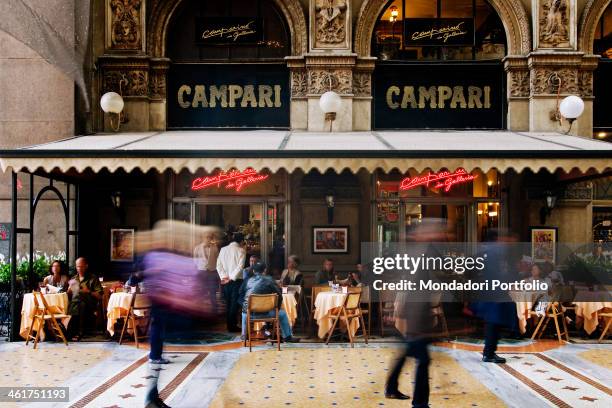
[(244, 323), (418, 350), (227, 290), (284, 324), (393, 379), (232, 307), (156, 335), (491, 339)]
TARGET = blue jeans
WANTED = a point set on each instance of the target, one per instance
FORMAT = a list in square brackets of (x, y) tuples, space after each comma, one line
[(157, 330), (282, 318)]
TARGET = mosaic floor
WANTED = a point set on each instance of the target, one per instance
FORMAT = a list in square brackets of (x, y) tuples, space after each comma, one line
[(226, 375)]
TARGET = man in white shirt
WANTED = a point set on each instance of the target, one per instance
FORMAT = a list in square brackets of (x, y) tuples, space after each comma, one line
[(230, 263), (205, 258)]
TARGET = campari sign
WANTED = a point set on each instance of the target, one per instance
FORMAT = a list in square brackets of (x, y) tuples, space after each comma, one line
[(444, 180)]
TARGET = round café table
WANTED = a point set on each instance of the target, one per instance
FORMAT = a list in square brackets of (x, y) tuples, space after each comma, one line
[(324, 304), (589, 306), (57, 302), (118, 306)]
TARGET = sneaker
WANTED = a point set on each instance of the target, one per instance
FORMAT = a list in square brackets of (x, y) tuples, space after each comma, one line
[(291, 340), (159, 361), (493, 359)]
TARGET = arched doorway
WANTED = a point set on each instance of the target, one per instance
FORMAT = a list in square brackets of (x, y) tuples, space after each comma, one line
[(602, 79), (439, 66), (228, 68)]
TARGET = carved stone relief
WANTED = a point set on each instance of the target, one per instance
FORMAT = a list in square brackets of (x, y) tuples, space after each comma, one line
[(322, 80), (585, 83), (125, 22), (362, 83), (330, 24), (519, 83), (126, 82), (546, 80), (299, 83), (555, 23)]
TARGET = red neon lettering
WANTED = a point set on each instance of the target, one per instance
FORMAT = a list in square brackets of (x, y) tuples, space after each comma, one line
[(235, 179), (443, 179)]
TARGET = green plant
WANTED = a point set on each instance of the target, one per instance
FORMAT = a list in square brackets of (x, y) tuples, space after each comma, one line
[(40, 266)]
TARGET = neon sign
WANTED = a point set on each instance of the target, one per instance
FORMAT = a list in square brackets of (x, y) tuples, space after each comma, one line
[(233, 179), (443, 179)]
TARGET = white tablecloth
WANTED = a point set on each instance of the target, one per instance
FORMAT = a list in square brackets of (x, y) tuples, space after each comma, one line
[(57, 301), (324, 303), (290, 307), (589, 311), (118, 306), (524, 303)]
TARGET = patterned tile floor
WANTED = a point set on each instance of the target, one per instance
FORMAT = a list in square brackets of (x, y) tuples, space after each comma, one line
[(227, 375)]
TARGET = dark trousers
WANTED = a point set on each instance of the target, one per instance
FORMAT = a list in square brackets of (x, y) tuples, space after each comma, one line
[(230, 294), (82, 312), (491, 339), (157, 331), (418, 350)]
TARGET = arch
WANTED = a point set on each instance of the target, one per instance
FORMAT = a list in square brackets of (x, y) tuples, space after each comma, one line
[(162, 13), (591, 15), (511, 12)]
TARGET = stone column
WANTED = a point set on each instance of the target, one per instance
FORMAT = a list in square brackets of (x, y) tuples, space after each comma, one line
[(517, 73), (329, 63), (557, 69)]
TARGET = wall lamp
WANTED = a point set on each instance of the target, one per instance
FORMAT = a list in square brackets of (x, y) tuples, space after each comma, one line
[(112, 103), (550, 200), (330, 200), (570, 108)]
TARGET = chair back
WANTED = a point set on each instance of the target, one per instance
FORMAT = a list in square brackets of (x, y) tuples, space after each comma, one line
[(262, 303), (352, 300), (39, 306), (315, 291), (140, 301), (365, 294)]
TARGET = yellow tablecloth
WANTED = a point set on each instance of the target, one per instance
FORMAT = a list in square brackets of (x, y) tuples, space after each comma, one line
[(324, 303), (524, 303), (588, 311), (57, 301), (290, 307), (118, 306)]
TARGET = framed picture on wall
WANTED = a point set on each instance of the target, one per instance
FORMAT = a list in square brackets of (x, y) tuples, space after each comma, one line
[(330, 240), (122, 244), (543, 244)]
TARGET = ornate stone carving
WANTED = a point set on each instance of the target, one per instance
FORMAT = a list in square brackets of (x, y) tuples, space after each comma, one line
[(362, 83), (321, 81), (546, 80), (299, 83), (554, 23), (330, 23), (511, 12), (133, 82), (157, 85), (585, 83), (519, 84), (125, 24)]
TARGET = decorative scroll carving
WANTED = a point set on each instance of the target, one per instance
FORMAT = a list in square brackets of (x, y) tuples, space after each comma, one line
[(157, 85), (330, 22), (543, 81), (554, 22), (585, 83), (299, 83), (321, 81), (519, 84), (362, 83), (125, 24), (137, 82)]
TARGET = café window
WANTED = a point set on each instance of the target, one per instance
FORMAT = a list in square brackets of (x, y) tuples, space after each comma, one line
[(602, 81), (467, 30)]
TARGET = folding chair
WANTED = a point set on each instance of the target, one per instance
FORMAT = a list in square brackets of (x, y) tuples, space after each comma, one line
[(42, 314), (554, 310), (313, 298), (140, 309), (386, 307), (607, 327), (258, 304), (366, 300), (348, 312)]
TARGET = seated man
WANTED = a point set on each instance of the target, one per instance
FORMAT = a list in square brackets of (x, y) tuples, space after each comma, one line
[(86, 291), (327, 274), (261, 284)]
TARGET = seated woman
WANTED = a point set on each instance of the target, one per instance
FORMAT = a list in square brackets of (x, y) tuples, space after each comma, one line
[(291, 275), (57, 277)]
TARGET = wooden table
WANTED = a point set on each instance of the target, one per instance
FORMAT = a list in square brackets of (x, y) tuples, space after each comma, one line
[(58, 302)]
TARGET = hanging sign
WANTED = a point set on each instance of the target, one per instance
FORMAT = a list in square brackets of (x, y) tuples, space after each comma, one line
[(231, 180), (228, 30), (438, 32), (443, 180)]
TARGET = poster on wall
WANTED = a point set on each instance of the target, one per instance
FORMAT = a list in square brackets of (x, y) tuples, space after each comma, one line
[(438, 32), (122, 244), (449, 95), (330, 240), (543, 244), (228, 95)]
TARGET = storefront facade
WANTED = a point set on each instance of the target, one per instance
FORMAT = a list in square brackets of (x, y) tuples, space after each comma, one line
[(445, 113)]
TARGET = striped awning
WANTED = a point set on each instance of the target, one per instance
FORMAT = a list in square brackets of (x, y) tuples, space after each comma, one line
[(292, 150)]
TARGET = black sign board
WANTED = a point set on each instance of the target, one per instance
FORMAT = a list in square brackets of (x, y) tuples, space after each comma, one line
[(228, 30), (438, 32), (439, 96), (228, 95)]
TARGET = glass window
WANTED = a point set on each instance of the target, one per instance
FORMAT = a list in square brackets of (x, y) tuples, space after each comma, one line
[(603, 34)]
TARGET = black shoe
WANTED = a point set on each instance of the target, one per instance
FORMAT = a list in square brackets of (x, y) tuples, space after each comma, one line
[(493, 359), (396, 395), (157, 403), (291, 340)]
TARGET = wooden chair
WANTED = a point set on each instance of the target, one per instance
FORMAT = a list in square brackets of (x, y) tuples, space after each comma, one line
[(386, 307), (367, 301), (607, 315), (313, 298), (42, 314), (554, 310), (349, 311), (262, 304), (140, 309)]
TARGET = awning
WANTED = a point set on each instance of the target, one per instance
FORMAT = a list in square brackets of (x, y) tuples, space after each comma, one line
[(275, 150)]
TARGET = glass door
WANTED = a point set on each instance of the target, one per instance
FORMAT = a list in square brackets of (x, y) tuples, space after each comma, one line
[(453, 219)]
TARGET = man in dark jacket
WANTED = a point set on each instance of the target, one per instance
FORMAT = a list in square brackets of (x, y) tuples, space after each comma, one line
[(260, 284)]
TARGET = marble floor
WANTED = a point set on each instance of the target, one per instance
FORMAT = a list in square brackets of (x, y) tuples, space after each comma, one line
[(106, 375)]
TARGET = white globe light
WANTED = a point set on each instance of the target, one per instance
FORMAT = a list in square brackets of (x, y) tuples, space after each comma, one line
[(571, 107), (330, 102), (111, 102)]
